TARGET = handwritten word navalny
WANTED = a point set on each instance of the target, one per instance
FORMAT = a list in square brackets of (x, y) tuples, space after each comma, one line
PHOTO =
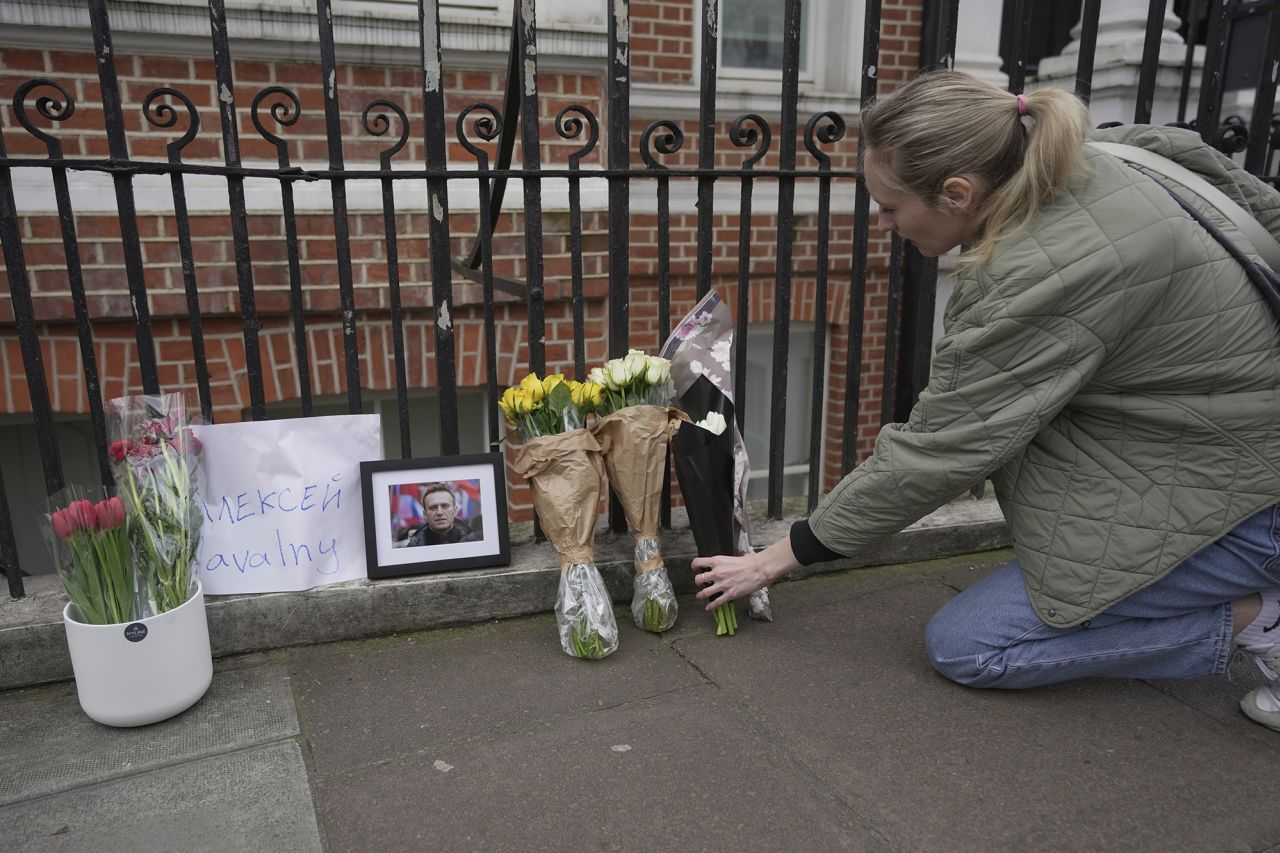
[(269, 513)]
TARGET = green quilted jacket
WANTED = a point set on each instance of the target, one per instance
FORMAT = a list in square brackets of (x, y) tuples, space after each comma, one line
[(1116, 376)]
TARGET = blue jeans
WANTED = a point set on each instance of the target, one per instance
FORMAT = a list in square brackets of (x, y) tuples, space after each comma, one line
[(1179, 627)]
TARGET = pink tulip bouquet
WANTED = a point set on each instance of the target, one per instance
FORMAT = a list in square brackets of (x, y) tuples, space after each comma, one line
[(153, 455), (90, 544)]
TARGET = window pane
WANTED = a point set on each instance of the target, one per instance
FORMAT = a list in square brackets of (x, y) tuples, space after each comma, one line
[(795, 452), (751, 34)]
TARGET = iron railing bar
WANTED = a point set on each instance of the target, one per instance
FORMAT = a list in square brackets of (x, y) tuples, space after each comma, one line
[(9, 547), (80, 304), (893, 313), (301, 350), (531, 157), (32, 360), (857, 330), (338, 191), (397, 316), (126, 210), (917, 324), (1088, 48), (1188, 61), (817, 421), (1211, 75), (861, 252), (509, 286), (487, 126), (297, 174), (490, 327), (507, 142), (1021, 45), (238, 213), (782, 274), (575, 273), (438, 225), (706, 143), (1264, 99), (1150, 62), (618, 158), (287, 117), (664, 309), (743, 305), (189, 284)]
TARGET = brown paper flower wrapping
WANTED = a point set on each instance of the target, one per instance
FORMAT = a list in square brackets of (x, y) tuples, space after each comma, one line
[(634, 441), (564, 473)]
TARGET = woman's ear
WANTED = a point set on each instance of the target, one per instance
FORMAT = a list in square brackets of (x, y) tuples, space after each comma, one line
[(960, 193)]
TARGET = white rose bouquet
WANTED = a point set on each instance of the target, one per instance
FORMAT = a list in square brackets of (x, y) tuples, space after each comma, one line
[(634, 435)]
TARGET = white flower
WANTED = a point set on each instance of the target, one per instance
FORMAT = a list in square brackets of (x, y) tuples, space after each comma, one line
[(695, 367), (615, 371), (720, 352), (658, 372), (598, 377), (714, 422), (636, 363)]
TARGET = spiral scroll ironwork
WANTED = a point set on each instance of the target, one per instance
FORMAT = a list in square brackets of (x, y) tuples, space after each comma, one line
[(284, 112), (669, 142), (487, 127), (1232, 137), (744, 135), (569, 124), (816, 131), (378, 124), (48, 107), (163, 115)]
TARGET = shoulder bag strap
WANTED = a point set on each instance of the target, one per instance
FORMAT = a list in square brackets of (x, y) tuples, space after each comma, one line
[(1263, 243)]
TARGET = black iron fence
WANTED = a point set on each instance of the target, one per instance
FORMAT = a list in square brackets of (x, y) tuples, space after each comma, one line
[(910, 303)]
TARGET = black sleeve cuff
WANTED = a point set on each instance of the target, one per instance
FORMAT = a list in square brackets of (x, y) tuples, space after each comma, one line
[(807, 548)]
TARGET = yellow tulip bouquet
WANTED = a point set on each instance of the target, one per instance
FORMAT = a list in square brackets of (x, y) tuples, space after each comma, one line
[(634, 432), (561, 461)]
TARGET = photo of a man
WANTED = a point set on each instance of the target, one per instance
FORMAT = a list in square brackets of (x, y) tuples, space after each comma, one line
[(445, 524)]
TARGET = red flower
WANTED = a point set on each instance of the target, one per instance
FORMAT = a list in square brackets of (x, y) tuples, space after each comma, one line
[(110, 513), (118, 450), (185, 442), (84, 515), (63, 524)]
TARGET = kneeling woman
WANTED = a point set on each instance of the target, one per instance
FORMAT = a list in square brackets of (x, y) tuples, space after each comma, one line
[(1108, 364)]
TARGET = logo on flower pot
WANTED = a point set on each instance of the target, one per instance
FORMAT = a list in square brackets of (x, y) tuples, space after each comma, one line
[(136, 632)]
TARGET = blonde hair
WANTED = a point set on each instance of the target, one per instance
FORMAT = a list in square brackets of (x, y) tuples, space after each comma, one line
[(946, 124)]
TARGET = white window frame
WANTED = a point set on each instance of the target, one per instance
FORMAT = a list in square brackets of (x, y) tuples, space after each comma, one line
[(726, 72), (835, 52)]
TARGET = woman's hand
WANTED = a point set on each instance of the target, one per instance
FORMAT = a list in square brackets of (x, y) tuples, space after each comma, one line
[(727, 578)]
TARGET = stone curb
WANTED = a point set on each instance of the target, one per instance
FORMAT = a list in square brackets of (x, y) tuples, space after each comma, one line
[(33, 648)]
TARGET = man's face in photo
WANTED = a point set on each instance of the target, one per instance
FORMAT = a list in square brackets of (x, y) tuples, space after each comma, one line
[(441, 510)]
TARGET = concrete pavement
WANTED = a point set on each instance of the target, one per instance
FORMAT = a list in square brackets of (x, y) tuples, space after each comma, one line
[(824, 730)]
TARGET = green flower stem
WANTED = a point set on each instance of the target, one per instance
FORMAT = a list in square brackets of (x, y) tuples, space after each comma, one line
[(726, 620), (587, 643), (163, 535)]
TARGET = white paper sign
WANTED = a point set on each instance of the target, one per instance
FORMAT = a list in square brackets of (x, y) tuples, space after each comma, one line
[(281, 500)]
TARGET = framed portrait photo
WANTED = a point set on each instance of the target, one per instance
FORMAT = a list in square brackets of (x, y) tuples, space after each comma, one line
[(434, 515)]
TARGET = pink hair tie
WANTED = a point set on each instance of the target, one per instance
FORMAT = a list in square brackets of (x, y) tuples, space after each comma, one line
[(1022, 105)]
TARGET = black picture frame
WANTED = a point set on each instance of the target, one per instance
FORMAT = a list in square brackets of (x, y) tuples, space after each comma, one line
[(475, 480)]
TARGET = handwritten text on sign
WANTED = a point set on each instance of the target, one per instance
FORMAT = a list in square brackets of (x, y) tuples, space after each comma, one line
[(281, 503)]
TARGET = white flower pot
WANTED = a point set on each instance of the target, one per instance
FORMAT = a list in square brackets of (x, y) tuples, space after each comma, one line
[(136, 673)]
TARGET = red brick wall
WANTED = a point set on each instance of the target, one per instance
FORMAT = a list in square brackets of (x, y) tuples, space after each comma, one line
[(663, 34)]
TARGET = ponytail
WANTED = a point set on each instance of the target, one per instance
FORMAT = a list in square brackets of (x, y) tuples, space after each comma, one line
[(1021, 150)]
